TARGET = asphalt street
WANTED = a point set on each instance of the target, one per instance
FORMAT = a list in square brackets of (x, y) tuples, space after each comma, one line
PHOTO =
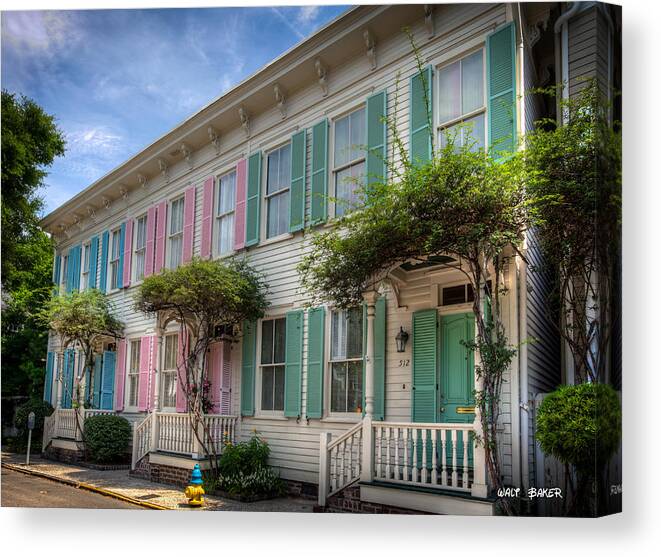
[(22, 490)]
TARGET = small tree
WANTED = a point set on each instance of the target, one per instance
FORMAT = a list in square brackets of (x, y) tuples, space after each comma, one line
[(574, 186), (204, 297), (81, 320)]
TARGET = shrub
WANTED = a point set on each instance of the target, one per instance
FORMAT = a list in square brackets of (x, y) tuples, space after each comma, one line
[(244, 470), (41, 409), (580, 425), (107, 438)]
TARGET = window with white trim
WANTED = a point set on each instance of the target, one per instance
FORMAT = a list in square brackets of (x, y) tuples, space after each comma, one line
[(461, 102), (272, 365), (140, 247), (348, 159), (114, 258), (85, 270), (176, 233), (278, 178), (169, 374), (134, 374), (346, 361), (225, 203)]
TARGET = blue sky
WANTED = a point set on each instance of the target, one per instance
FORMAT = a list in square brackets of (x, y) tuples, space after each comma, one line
[(118, 79)]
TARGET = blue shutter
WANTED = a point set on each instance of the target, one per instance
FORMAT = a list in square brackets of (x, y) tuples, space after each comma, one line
[(315, 376), (94, 257), (68, 377), (68, 285), (120, 272), (105, 237), (57, 267), (75, 280), (108, 380), (48, 386), (98, 370), (420, 111)]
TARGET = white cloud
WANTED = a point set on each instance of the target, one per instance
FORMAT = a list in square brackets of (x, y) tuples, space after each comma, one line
[(46, 33), (307, 14)]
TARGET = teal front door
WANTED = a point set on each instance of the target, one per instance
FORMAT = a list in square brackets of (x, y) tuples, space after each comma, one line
[(107, 380), (456, 397)]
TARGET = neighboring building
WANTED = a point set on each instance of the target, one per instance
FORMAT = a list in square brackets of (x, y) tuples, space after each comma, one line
[(249, 174)]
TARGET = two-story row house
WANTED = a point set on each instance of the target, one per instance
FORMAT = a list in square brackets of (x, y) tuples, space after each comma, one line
[(257, 171)]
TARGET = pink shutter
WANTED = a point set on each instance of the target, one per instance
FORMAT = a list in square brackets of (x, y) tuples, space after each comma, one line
[(207, 217), (120, 374), (149, 246), (153, 366), (189, 224), (226, 379), (240, 211), (214, 372), (128, 251), (144, 376), (159, 258), (181, 372)]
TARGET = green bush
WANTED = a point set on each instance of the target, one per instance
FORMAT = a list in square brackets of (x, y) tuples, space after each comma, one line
[(244, 470), (107, 438), (580, 425), (41, 409)]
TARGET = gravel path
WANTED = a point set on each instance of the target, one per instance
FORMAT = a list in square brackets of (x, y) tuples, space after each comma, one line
[(120, 482)]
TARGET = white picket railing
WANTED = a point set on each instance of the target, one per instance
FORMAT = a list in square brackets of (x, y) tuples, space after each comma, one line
[(141, 439), (429, 455), (89, 412), (441, 456), (175, 434), (340, 461), (65, 423), (221, 430)]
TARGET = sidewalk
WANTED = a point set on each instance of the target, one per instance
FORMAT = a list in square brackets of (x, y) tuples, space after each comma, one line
[(119, 482)]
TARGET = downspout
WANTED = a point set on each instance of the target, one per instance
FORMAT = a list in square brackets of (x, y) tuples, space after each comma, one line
[(562, 26)]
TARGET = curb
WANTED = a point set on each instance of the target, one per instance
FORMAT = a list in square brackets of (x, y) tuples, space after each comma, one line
[(87, 487)]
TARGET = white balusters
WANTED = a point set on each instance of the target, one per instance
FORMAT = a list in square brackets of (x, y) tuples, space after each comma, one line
[(434, 470), (464, 480), (454, 458), (444, 471)]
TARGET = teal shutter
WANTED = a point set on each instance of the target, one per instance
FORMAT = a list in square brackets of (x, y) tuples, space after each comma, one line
[(297, 186), (98, 370), (108, 380), (48, 386), (67, 377), (501, 87), (380, 359), (315, 377), (420, 116), (425, 355), (68, 285), (253, 198), (293, 363), (105, 237), (120, 272), (57, 268), (376, 138), (75, 281), (248, 352), (364, 354), (94, 257), (319, 180)]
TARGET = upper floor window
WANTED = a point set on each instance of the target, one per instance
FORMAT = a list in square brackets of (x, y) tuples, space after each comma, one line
[(114, 258), (225, 212), (85, 271), (346, 365), (134, 373), (461, 105), (169, 374), (176, 232), (348, 159), (272, 368), (278, 178), (140, 246)]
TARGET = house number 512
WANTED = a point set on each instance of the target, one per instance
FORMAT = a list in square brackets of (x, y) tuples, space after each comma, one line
[(404, 363)]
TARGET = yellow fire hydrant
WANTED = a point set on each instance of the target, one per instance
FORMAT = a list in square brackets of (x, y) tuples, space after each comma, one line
[(195, 492)]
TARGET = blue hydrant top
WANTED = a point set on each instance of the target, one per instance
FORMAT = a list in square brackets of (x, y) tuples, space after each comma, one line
[(196, 476)]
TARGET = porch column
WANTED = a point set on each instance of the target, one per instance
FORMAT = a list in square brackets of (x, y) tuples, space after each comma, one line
[(370, 300), (60, 379), (156, 393)]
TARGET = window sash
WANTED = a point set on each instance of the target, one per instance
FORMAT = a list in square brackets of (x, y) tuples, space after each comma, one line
[(278, 170), (170, 352), (346, 387), (85, 266), (225, 233), (141, 233), (453, 105), (134, 374), (177, 216), (169, 392), (348, 181), (273, 388), (176, 246), (347, 335), (226, 200), (349, 135)]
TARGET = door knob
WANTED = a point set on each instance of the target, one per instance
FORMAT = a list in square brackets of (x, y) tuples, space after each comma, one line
[(443, 409)]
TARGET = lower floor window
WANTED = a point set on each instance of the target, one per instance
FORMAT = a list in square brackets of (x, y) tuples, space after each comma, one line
[(347, 386), (272, 360), (273, 388), (134, 373)]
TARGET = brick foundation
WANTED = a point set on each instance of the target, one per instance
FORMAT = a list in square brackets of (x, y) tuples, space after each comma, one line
[(348, 501), (161, 473), (64, 455), (304, 490)]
